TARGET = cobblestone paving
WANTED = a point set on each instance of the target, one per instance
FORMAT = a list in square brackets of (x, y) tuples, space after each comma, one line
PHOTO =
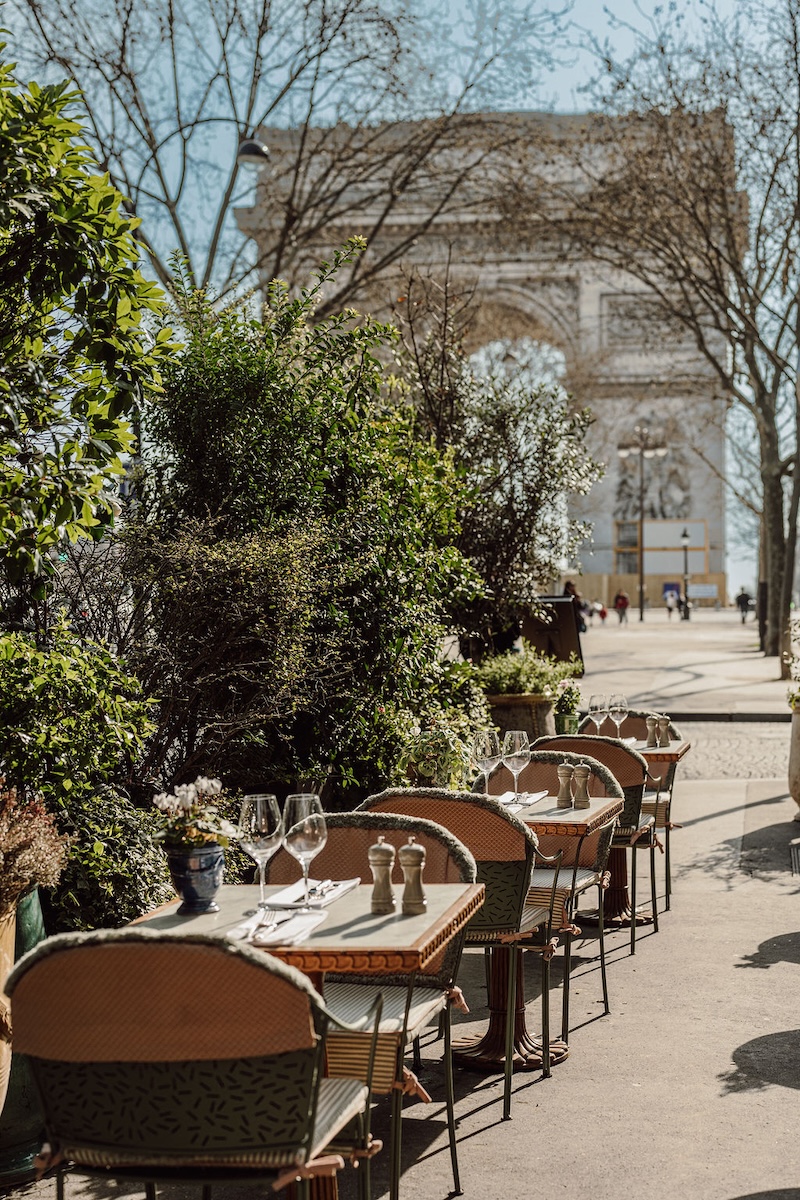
[(747, 750)]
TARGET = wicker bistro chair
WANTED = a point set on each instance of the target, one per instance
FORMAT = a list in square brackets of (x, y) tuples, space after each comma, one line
[(584, 863), (636, 830), (504, 850), (409, 1005), (177, 1057), (658, 792)]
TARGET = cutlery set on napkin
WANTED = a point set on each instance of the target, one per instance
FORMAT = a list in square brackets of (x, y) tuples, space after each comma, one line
[(287, 920)]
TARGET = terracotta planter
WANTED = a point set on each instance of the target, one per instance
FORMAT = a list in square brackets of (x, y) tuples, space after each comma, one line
[(528, 711), (794, 760)]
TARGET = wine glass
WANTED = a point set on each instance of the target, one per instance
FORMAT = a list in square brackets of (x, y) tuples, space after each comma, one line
[(598, 709), (516, 754), (617, 710), (260, 832), (486, 753), (305, 832)]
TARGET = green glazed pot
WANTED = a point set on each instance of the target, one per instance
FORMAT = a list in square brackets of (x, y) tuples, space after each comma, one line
[(21, 1121), (566, 722)]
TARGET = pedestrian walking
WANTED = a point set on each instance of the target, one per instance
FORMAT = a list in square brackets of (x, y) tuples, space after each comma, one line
[(671, 603), (571, 591), (622, 604), (743, 601)]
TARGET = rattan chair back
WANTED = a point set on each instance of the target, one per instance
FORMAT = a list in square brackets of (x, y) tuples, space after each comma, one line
[(502, 846), (170, 1050)]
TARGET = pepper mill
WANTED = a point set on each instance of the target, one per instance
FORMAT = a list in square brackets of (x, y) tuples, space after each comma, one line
[(663, 731), (381, 861), (652, 734), (412, 860), (564, 798), (581, 775)]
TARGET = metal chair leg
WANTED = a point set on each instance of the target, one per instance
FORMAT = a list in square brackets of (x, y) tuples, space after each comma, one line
[(396, 1144), (667, 863), (546, 1017), (416, 1056), (206, 1192), (633, 899), (513, 951), (653, 898), (60, 1183), (602, 939), (150, 1191), (565, 990), (450, 1099)]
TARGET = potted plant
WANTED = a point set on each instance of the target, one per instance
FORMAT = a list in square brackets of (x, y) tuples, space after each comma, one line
[(566, 706), (32, 854), (435, 756), (521, 688), (194, 836)]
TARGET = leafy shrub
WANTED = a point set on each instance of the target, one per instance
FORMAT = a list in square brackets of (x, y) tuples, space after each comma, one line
[(524, 671), (71, 724)]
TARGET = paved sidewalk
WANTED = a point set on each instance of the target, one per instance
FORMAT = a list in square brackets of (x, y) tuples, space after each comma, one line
[(708, 665)]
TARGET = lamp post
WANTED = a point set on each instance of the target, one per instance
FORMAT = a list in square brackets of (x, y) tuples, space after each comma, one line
[(646, 446), (685, 539)]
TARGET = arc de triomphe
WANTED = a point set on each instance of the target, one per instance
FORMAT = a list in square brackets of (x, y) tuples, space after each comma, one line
[(623, 361)]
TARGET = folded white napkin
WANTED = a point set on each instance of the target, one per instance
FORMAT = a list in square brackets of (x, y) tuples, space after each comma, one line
[(292, 896), (291, 932), (523, 800)]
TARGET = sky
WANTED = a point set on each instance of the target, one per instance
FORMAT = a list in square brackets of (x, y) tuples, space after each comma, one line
[(614, 21)]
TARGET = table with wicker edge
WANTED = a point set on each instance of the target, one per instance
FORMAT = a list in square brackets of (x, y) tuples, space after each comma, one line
[(488, 1052), (352, 940)]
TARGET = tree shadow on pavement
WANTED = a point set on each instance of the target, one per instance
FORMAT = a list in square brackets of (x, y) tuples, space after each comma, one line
[(785, 947), (777, 1194), (764, 1061)]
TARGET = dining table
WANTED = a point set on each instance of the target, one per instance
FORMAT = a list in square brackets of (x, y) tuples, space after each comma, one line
[(487, 1052), (352, 939)]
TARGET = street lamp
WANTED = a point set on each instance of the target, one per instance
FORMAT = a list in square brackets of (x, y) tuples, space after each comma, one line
[(252, 153), (685, 539), (646, 446)]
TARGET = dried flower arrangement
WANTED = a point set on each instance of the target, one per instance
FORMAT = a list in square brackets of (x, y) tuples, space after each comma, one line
[(32, 851)]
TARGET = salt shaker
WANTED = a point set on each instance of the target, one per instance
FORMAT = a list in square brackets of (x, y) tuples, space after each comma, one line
[(381, 861), (652, 733), (663, 731), (564, 798), (412, 860), (581, 776)]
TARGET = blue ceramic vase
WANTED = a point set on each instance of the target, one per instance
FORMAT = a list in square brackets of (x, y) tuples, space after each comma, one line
[(197, 876)]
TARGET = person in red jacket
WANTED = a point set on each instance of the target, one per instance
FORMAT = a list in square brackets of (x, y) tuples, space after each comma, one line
[(622, 604)]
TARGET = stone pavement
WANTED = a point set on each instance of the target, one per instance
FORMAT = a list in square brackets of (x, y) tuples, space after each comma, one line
[(686, 1088)]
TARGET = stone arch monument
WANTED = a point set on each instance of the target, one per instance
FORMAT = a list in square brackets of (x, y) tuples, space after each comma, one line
[(624, 361)]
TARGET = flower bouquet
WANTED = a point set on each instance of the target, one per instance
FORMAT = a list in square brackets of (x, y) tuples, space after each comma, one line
[(194, 834)]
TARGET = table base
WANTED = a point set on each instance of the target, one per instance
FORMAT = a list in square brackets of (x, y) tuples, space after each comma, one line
[(620, 920), (488, 1052)]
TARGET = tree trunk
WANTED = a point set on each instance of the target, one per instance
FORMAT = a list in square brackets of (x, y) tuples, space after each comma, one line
[(775, 548)]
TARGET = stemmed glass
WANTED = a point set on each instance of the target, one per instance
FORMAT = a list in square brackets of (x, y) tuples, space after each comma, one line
[(305, 832), (486, 753), (260, 832), (516, 754), (598, 709), (617, 710)]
